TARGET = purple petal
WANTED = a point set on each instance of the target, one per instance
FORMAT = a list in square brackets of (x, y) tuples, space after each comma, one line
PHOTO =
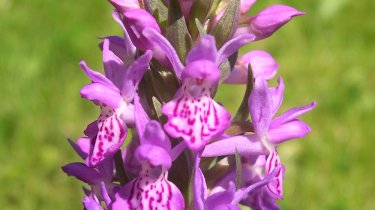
[(134, 75), (123, 6), (96, 77), (262, 65), (277, 96), (82, 172), (141, 118), (177, 150), (146, 191), (272, 18), (196, 119), (260, 106), (186, 7), (91, 204), (114, 67), (163, 44), (155, 155), (101, 94), (78, 149), (155, 135), (242, 193), (111, 135), (222, 199), (137, 20), (129, 48), (232, 46), (292, 114), (273, 164), (91, 129), (199, 186), (202, 70), (104, 193), (245, 146), (204, 50), (246, 5), (294, 129)]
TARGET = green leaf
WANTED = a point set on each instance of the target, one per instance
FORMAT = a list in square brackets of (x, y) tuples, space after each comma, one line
[(243, 111), (225, 27), (158, 10), (177, 32), (199, 10), (200, 28), (238, 170)]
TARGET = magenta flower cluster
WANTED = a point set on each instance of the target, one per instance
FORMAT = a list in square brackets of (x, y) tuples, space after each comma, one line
[(161, 140)]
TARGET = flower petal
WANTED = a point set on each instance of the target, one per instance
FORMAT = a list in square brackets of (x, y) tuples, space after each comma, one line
[(141, 118), (273, 163), (91, 129), (123, 6), (262, 65), (272, 18), (101, 94), (246, 5), (290, 130), (155, 135), (96, 77), (204, 50), (114, 67), (111, 135), (161, 42), (196, 119), (292, 114), (82, 152), (134, 75), (260, 106), (146, 192), (222, 199), (137, 20), (155, 155), (82, 172), (91, 204), (232, 46), (202, 70), (277, 96), (245, 146), (129, 47)]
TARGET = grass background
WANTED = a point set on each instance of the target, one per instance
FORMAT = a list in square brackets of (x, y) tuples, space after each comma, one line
[(327, 55)]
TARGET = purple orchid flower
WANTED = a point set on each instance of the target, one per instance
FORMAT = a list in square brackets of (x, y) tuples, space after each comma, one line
[(267, 21), (263, 105), (151, 189), (193, 114), (114, 94)]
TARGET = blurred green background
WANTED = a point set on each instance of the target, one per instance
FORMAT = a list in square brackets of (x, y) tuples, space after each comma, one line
[(327, 55)]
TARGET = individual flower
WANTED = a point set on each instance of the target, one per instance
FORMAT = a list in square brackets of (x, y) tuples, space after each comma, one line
[(114, 94), (263, 105), (192, 113), (151, 189)]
